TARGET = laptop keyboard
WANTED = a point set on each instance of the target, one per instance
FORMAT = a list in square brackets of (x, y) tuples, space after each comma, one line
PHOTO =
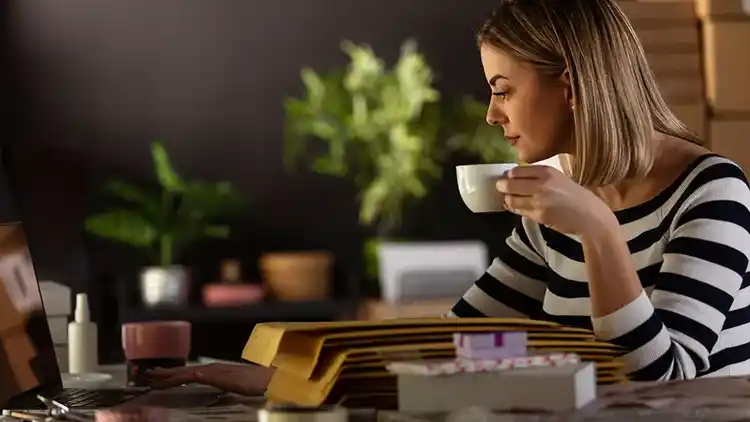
[(78, 398)]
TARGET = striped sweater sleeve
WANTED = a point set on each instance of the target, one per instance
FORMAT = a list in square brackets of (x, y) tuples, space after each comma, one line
[(672, 334), (513, 285)]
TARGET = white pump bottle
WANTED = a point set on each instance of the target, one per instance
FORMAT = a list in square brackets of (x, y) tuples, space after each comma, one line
[(83, 356)]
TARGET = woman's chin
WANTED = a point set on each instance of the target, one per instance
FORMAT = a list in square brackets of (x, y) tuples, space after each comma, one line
[(530, 156), (525, 157)]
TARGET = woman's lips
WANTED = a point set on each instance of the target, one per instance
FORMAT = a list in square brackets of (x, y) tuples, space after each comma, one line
[(512, 139)]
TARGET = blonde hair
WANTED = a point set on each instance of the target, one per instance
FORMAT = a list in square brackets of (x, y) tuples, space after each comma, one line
[(617, 103)]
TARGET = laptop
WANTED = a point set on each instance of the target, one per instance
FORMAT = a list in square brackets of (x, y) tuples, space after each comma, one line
[(28, 363)]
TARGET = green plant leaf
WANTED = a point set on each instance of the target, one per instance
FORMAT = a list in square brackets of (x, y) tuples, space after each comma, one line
[(149, 203), (168, 178), (387, 129), (216, 231), (180, 213), (202, 200), (372, 200), (128, 192), (365, 68), (125, 226)]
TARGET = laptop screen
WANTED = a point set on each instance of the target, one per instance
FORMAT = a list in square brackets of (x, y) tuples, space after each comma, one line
[(27, 356)]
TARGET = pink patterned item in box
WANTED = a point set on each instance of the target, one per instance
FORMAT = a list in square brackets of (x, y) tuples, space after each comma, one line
[(501, 345), (459, 366), (513, 339), (495, 354)]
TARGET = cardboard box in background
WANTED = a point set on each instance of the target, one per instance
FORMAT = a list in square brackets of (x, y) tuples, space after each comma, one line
[(726, 49), (683, 39), (379, 310), (664, 25), (721, 9), (669, 32), (658, 12), (731, 138), (678, 90), (706, 9), (668, 64), (694, 117)]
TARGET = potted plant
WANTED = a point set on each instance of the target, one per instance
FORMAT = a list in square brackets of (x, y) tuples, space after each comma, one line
[(163, 223), (388, 130)]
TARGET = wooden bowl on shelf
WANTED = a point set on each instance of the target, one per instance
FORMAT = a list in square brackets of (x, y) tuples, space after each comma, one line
[(297, 276)]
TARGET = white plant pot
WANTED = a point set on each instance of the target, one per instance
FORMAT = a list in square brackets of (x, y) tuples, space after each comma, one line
[(165, 286)]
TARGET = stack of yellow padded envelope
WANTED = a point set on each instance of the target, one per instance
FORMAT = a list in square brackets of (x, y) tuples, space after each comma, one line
[(344, 362)]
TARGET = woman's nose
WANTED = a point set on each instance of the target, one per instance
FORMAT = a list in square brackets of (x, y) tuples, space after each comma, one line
[(495, 116)]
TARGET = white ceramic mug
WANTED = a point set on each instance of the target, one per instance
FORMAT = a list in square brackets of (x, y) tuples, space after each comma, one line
[(476, 184)]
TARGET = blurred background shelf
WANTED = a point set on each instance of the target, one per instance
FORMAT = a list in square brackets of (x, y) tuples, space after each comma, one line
[(253, 313)]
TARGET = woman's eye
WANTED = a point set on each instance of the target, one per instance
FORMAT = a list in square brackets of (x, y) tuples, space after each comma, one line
[(500, 94)]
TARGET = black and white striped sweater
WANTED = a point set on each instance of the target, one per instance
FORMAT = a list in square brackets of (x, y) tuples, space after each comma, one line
[(691, 246)]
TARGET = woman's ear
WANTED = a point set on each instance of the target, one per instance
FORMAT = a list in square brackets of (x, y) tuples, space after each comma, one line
[(566, 81)]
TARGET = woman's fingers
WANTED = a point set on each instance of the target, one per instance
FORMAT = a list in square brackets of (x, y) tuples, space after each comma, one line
[(521, 187), (171, 377), (165, 372), (240, 379), (519, 203), (187, 376)]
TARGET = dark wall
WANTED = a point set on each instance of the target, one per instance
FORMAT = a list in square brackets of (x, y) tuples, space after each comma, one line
[(98, 80)]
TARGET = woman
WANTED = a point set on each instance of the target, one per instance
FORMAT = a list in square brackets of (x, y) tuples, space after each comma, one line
[(650, 247), (646, 240)]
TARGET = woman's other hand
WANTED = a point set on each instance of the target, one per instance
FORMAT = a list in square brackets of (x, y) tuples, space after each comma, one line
[(248, 380), (550, 198)]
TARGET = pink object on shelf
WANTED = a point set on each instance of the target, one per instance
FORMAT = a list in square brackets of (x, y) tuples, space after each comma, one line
[(227, 294), (502, 345)]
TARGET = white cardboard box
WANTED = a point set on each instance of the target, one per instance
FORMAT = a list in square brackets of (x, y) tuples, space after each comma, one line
[(58, 328), (552, 389), (57, 298)]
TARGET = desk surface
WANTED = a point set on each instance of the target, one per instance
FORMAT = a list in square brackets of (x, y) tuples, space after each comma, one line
[(706, 399)]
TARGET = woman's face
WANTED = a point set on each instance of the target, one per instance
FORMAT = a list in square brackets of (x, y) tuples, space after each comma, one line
[(534, 111)]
